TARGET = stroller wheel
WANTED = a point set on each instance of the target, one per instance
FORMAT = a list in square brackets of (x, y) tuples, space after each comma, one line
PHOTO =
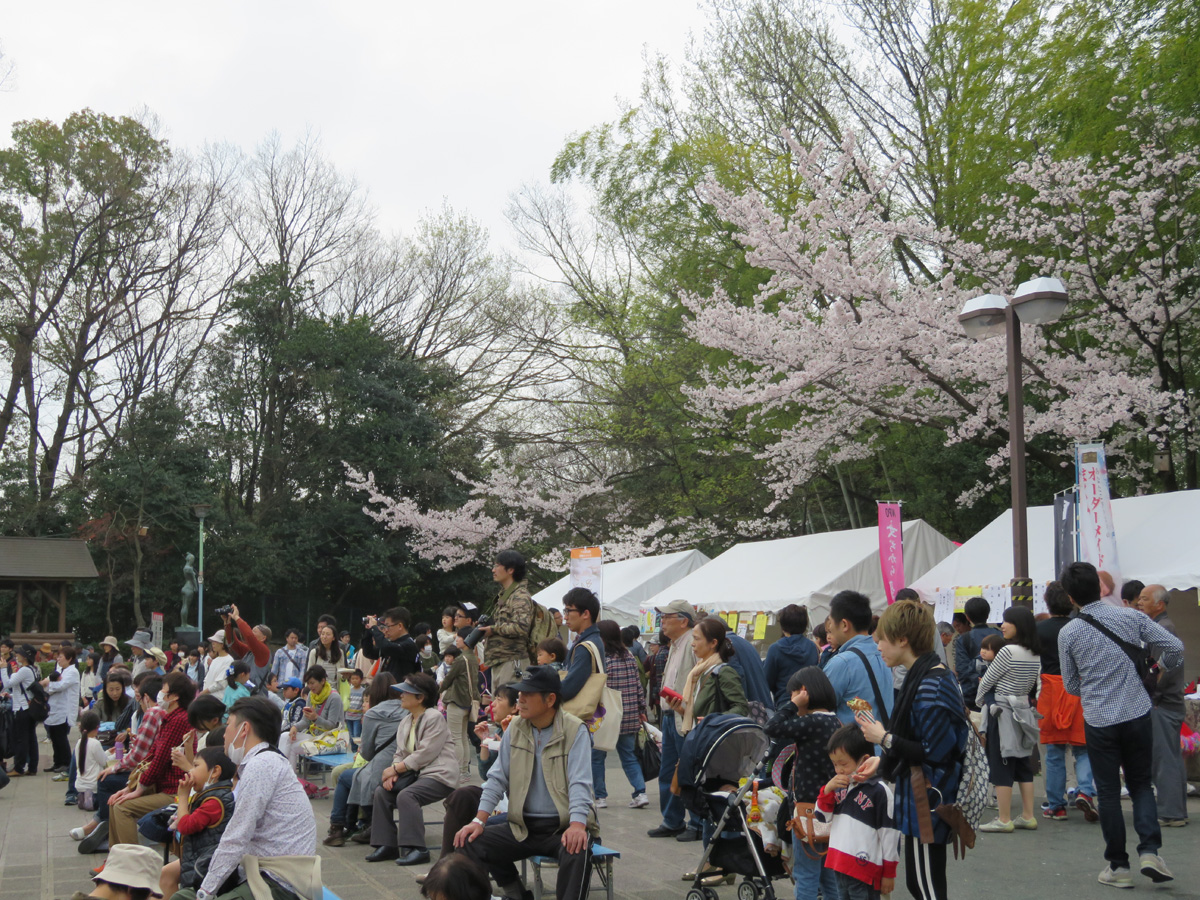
[(695, 894), (748, 890), (710, 893)]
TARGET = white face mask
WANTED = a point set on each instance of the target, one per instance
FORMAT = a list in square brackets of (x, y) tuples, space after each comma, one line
[(237, 754), (162, 699)]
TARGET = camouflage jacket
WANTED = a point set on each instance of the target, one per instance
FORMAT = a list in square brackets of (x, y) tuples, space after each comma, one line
[(512, 621)]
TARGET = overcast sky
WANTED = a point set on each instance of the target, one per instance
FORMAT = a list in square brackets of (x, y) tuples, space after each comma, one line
[(464, 101)]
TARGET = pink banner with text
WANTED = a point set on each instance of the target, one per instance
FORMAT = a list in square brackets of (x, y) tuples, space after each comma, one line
[(891, 549)]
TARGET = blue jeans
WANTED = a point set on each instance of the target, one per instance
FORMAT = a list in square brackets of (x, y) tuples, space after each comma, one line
[(341, 797), (627, 751), (810, 874), (354, 729), (1127, 746), (105, 788), (670, 805), (1056, 773)]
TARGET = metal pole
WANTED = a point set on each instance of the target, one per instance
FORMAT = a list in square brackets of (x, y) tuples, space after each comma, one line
[(1021, 586), (200, 584)]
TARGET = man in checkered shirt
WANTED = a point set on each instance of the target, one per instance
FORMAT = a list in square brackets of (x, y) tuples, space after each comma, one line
[(1116, 715)]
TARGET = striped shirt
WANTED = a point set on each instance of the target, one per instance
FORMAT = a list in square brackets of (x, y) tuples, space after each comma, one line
[(1100, 673), (863, 840), (1015, 672)]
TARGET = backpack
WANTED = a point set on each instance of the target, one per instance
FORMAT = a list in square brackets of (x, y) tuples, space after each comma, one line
[(963, 814), (542, 627), (38, 700)]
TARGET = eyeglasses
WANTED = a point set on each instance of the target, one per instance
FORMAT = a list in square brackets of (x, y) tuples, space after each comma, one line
[(569, 609)]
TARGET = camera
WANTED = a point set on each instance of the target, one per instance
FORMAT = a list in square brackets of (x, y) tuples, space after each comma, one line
[(224, 610), (367, 620), (477, 635)]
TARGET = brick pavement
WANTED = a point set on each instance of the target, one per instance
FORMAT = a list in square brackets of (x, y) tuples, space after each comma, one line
[(39, 861)]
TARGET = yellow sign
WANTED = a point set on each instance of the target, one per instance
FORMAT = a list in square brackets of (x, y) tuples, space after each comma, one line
[(963, 594), (760, 627)]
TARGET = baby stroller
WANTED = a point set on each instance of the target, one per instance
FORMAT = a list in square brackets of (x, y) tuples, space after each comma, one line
[(720, 751)]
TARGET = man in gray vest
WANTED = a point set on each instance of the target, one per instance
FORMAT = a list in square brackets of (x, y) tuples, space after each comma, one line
[(545, 767)]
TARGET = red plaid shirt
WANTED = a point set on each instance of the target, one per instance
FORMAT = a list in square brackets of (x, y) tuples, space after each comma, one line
[(162, 774), (143, 739), (623, 677)]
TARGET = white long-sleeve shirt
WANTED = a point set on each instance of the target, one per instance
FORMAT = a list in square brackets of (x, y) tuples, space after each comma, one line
[(272, 816), (216, 679), (90, 765), (18, 684), (64, 697)]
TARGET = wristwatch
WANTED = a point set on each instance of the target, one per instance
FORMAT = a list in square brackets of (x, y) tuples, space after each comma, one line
[(479, 820), (886, 743), (203, 895)]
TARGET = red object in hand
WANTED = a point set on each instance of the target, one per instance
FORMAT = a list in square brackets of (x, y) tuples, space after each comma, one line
[(669, 694)]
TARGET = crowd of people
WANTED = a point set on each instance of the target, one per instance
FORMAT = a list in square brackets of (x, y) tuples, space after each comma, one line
[(872, 721)]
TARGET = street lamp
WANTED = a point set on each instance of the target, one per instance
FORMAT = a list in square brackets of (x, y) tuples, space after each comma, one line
[(1036, 302), (200, 510)]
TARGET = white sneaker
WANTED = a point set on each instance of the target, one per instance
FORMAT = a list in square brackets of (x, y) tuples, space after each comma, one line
[(641, 801), (77, 833), (1154, 868), (1120, 878), (601, 803)]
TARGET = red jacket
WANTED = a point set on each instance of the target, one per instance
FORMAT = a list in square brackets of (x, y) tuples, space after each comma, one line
[(1062, 714)]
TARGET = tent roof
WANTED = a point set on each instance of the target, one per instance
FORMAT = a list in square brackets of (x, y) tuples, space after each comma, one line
[(764, 576), (45, 559), (628, 582), (1156, 543)]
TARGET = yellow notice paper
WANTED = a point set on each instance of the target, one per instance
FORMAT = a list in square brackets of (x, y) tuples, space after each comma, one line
[(760, 627)]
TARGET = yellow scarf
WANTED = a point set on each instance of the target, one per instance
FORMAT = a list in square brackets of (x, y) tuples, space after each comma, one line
[(315, 700), (690, 689)]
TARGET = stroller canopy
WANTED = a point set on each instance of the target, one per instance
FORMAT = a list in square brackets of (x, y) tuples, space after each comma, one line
[(721, 749)]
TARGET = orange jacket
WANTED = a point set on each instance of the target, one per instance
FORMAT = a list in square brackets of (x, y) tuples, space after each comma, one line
[(1062, 713)]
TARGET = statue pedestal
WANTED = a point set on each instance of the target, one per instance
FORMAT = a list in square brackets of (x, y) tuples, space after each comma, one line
[(187, 635)]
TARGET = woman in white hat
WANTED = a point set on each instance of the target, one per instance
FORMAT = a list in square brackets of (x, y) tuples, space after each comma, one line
[(108, 656), (131, 872), (219, 662)]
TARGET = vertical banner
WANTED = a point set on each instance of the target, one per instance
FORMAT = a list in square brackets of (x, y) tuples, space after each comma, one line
[(1064, 531), (587, 570), (1097, 536), (891, 549), (156, 628)]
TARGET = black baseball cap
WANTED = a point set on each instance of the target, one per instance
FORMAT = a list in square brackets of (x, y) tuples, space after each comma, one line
[(539, 680)]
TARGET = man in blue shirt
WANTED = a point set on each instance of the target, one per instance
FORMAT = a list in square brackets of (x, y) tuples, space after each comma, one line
[(1097, 652), (966, 648), (857, 658)]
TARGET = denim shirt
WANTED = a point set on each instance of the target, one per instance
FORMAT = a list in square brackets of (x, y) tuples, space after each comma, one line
[(849, 678)]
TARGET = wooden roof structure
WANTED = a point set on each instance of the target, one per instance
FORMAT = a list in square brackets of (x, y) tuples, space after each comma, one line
[(48, 565)]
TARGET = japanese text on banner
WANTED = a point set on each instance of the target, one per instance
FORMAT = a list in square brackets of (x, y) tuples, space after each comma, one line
[(891, 549), (1097, 536)]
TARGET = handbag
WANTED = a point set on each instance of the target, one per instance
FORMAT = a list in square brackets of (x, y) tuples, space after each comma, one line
[(649, 755), (303, 873), (809, 830), (583, 705), (336, 740)]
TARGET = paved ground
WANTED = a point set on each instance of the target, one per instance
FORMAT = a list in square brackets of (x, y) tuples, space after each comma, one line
[(38, 860)]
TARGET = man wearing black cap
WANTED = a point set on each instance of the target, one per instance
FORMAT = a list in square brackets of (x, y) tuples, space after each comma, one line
[(545, 767)]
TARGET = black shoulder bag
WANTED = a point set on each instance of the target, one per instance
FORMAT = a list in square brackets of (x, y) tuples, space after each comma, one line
[(1137, 656), (880, 710)]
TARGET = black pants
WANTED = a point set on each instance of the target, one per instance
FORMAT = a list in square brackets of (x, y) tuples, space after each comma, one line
[(60, 740), (498, 848), (25, 747), (1129, 747), (461, 807), (925, 869), (410, 829)]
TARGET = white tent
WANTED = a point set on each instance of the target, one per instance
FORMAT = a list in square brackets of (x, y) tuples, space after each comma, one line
[(1156, 544), (765, 576), (628, 582)]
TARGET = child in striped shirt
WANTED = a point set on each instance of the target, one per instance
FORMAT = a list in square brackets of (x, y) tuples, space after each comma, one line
[(864, 843)]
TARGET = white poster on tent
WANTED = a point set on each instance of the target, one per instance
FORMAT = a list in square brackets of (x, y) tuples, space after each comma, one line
[(943, 605), (587, 570), (1097, 536)]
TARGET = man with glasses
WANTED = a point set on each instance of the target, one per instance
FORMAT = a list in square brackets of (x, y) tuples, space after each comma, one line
[(387, 640), (581, 609), (678, 617)]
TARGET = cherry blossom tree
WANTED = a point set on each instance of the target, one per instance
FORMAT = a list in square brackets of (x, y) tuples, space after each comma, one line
[(856, 329)]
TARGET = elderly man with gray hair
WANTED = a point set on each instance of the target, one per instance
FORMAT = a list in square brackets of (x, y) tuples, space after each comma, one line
[(678, 617), (1168, 770)]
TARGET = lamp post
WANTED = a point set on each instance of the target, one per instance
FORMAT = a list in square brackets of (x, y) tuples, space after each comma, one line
[(1037, 302), (200, 510)]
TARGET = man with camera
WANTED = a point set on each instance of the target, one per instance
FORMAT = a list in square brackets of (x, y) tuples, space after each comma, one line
[(387, 640), (248, 645), (507, 647)]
